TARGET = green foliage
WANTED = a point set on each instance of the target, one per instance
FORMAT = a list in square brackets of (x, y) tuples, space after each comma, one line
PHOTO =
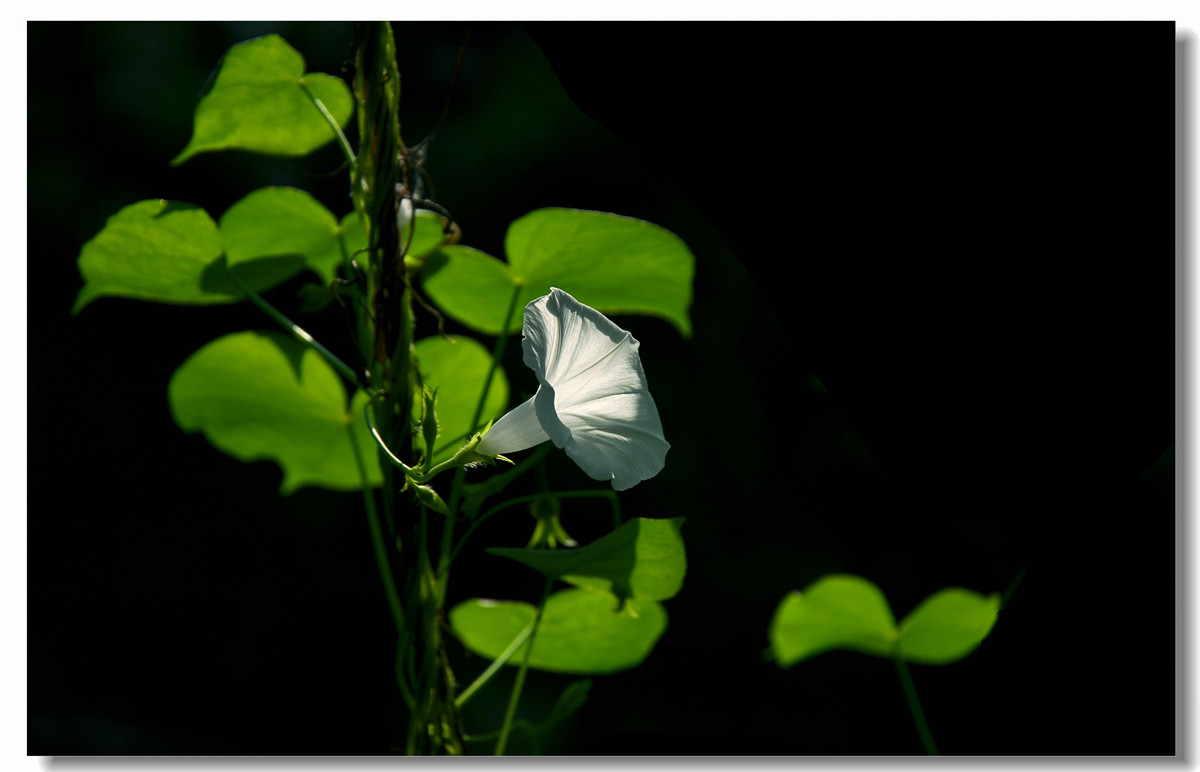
[(581, 632), (947, 626), (262, 395), (268, 396), (613, 264), (155, 250), (262, 101), (170, 252), (841, 611), (642, 559), (282, 223), (456, 366)]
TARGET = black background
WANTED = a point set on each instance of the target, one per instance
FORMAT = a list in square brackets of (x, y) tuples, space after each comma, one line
[(966, 232)]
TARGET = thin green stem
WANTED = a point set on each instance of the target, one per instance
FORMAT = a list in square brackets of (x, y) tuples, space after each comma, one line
[(519, 684), (497, 355), (337, 130), (518, 500), (295, 329), (914, 706), (456, 489), (381, 558), (494, 668)]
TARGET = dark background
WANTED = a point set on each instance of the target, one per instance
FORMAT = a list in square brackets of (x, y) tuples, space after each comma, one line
[(965, 232)]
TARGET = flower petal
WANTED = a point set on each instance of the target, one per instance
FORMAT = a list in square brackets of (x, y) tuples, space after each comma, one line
[(517, 429), (593, 400), (617, 438)]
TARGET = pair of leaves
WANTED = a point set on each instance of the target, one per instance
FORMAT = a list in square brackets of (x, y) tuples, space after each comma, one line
[(613, 264), (260, 395), (173, 252), (841, 611), (609, 621)]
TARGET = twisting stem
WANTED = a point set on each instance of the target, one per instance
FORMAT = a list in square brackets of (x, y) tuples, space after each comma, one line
[(299, 332), (914, 705), (519, 684)]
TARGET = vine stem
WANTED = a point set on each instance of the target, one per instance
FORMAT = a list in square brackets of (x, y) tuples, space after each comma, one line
[(381, 558), (519, 684), (456, 489), (914, 706), (296, 330)]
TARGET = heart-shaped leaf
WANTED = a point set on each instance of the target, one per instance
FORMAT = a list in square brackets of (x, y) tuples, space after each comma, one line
[(262, 101), (836, 612), (841, 611), (262, 395), (613, 264), (173, 252), (642, 559), (155, 250), (581, 632)]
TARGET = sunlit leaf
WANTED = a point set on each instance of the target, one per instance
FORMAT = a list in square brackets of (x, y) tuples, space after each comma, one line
[(262, 395), (581, 632), (260, 102), (839, 611), (947, 626), (618, 265), (472, 287), (613, 264), (282, 222), (642, 559), (456, 366), (155, 250), (173, 252)]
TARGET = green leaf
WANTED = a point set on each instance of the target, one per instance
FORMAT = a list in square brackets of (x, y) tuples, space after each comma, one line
[(614, 264), (472, 287), (947, 626), (642, 559), (581, 632), (456, 366), (260, 102), (155, 250), (839, 611), (284, 223), (259, 395), (173, 252)]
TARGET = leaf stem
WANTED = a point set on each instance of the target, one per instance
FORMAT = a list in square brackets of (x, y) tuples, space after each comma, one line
[(296, 330), (914, 706), (519, 684), (337, 130), (493, 668)]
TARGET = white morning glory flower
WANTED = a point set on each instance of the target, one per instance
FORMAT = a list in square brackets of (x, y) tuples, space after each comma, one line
[(592, 400)]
